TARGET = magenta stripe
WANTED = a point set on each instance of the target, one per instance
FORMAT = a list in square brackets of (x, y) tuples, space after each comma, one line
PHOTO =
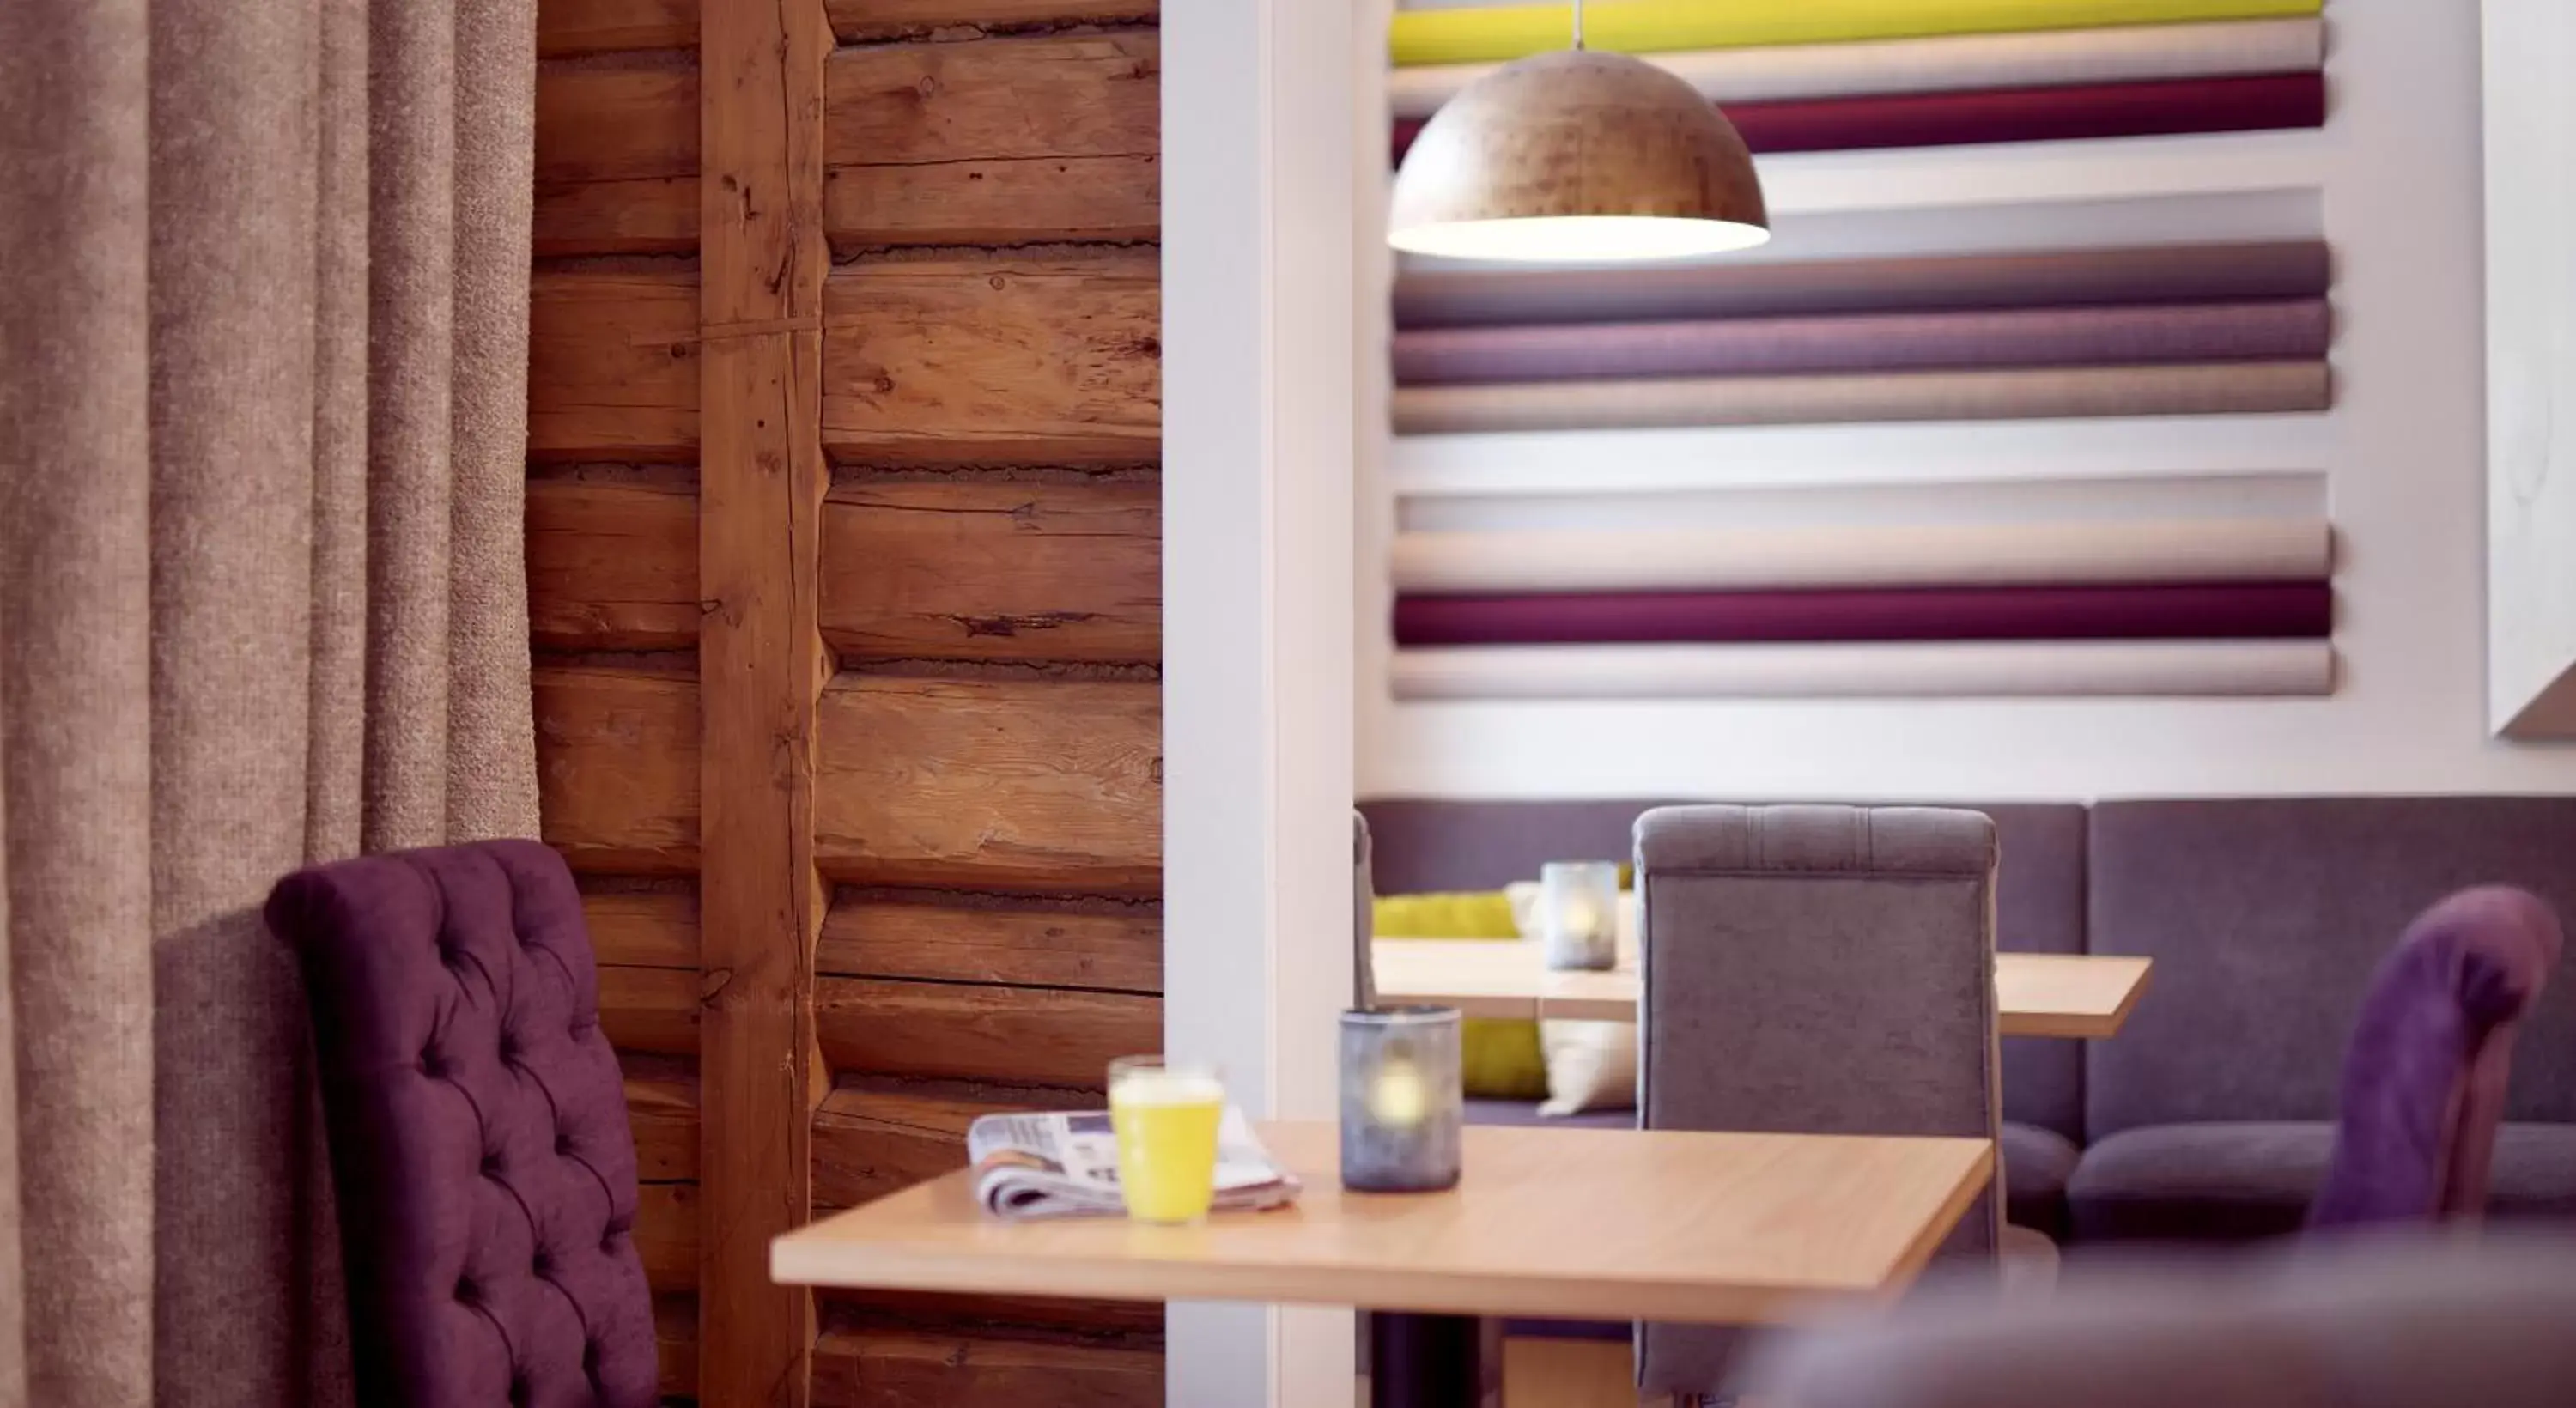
[(2158, 611), (2057, 113), (2025, 337)]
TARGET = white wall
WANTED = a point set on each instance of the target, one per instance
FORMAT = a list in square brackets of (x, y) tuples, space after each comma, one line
[(1258, 439), (2531, 359), (2395, 176)]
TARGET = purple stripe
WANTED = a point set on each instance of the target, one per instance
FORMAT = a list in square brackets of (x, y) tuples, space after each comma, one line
[(2181, 273), (2030, 337), (2044, 113), (2170, 611)]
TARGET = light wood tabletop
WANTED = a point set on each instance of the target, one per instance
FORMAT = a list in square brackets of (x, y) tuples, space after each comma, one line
[(2037, 994), (1594, 1224)]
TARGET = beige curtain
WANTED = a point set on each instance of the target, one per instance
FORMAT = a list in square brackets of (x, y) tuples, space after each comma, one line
[(263, 307)]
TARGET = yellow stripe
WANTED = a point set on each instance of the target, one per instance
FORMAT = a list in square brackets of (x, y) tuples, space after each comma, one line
[(1650, 26)]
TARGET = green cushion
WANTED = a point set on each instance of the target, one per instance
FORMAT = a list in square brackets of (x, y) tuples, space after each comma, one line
[(1498, 1060)]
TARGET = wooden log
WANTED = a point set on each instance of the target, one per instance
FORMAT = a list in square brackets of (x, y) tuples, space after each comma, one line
[(641, 925), (1119, 949), (662, 1110), (1047, 785), (856, 20), (1006, 359), (666, 1234), (1001, 141), (871, 1140), (649, 1009), (1037, 96), (612, 363), (611, 566), (1141, 1319), (675, 1343), (617, 118), (960, 1031), (567, 27), (983, 571), (888, 1367), (617, 768), (760, 488), (617, 155), (1076, 199), (652, 215)]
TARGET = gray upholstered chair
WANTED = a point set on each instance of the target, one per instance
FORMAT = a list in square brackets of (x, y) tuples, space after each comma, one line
[(1817, 970), (2379, 1322)]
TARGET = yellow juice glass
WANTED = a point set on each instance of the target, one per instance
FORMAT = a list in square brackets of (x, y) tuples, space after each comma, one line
[(1166, 1114)]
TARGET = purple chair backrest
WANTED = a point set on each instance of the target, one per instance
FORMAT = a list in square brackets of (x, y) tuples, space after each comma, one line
[(484, 1169), (2424, 1078)]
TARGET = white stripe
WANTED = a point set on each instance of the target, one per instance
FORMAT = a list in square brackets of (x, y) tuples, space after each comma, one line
[(2173, 550), (1997, 502), (1920, 670), (1944, 64), (1694, 457)]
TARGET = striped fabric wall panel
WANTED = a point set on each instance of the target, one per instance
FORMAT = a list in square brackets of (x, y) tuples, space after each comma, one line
[(2005, 419), (1608, 464), (1505, 32), (1951, 64), (2248, 103), (1719, 559), (1999, 669), (2019, 393), (2142, 611), (2253, 330), (1932, 502), (2177, 273)]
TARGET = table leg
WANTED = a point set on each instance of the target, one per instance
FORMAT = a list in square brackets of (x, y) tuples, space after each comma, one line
[(1426, 1361)]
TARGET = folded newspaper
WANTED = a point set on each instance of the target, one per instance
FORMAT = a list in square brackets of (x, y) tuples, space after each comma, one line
[(1066, 1165)]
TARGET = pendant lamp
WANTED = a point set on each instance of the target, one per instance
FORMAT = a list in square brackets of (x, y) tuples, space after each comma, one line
[(1577, 156)]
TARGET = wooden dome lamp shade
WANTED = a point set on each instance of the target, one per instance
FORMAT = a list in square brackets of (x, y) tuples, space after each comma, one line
[(1577, 157)]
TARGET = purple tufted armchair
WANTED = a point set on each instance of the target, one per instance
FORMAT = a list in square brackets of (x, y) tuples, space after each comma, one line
[(2424, 1078), (485, 1172)]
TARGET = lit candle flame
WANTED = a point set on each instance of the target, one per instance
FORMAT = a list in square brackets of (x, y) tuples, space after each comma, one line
[(1399, 1098)]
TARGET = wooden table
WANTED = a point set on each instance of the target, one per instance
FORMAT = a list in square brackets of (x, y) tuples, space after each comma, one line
[(2038, 994), (1571, 1223)]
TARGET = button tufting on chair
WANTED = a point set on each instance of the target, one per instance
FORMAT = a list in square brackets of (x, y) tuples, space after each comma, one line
[(472, 1274)]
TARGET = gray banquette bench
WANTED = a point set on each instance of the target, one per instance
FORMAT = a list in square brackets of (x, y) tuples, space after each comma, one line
[(2206, 1119)]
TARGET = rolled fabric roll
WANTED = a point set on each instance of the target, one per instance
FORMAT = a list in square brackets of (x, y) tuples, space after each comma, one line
[(2026, 337), (1946, 669), (1948, 64), (1948, 555), (2127, 611), (2182, 273), (1505, 32), (2251, 103), (2189, 388)]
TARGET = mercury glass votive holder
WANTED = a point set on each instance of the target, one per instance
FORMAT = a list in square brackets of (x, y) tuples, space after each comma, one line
[(1579, 913), (1402, 1101)]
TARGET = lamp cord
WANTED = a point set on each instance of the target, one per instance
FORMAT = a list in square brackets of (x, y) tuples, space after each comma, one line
[(1578, 24)]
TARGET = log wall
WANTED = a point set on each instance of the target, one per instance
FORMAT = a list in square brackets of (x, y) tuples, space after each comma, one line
[(844, 561)]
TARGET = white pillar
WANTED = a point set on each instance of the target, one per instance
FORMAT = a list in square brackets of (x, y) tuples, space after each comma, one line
[(1257, 603), (2531, 353)]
